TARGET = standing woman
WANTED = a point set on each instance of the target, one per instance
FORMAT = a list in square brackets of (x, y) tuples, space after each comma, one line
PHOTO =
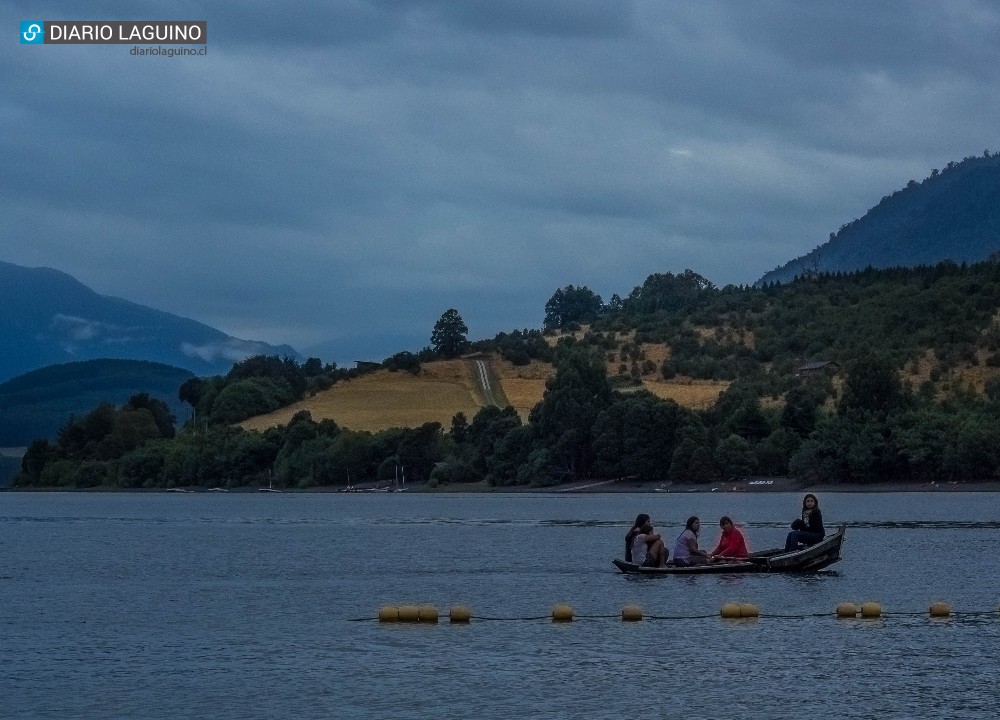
[(809, 529), (640, 520)]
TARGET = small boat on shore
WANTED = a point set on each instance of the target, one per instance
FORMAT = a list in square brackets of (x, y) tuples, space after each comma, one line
[(808, 559)]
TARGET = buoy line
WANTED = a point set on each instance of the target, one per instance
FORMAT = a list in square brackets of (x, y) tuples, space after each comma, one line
[(561, 613)]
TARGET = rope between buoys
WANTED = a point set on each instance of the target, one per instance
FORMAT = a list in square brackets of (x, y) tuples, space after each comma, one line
[(769, 616)]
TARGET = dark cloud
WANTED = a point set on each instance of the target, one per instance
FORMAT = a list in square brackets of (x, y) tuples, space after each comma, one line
[(344, 172)]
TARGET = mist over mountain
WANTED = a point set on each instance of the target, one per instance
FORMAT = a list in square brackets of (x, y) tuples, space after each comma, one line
[(48, 317), (953, 214)]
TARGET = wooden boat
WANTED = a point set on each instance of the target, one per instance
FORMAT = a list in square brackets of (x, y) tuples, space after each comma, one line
[(807, 559)]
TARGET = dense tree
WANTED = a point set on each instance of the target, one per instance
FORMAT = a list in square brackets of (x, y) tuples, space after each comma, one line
[(801, 410), (872, 385), (635, 436), (691, 462), (487, 430), (245, 398), (402, 361), (273, 368), (734, 457), (38, 454), (573, 399), (666, 291), (158, 409), (312, 367), (449, 335), (459, 427), (572, 305), (191, 391), (520, 346)]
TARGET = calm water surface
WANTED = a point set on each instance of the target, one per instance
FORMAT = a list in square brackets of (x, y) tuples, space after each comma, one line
[(248, 606)]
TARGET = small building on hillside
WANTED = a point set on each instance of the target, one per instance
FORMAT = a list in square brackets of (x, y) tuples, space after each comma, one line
[(366, 365), (820, 367)]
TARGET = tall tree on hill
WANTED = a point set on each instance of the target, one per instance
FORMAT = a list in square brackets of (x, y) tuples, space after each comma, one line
[(572, 304), (666, 291), (448, 337)]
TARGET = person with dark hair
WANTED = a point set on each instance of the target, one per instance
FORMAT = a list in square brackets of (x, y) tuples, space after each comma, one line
[(686, 551), (732, 544), (640, 520), (807, 530), (648, 549)]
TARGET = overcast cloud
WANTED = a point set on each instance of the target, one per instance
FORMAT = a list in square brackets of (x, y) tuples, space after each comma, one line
[(338, 174)]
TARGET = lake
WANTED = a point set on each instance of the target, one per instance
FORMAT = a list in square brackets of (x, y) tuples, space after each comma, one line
[(161, 605)]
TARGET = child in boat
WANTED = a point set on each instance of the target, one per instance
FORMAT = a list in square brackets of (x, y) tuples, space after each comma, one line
[(807, 530), (648, 549), (640, 520), (732, 544), (686, 550)]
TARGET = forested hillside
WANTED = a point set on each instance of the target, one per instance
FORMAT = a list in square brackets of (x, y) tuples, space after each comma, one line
[(35, 405), (953, 214), (871, 376)]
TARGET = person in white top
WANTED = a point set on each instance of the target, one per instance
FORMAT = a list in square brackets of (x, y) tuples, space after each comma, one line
[(648, 549), (686, 550)]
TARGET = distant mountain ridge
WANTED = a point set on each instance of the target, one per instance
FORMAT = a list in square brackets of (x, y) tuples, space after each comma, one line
[(953, 214), (48, 317)]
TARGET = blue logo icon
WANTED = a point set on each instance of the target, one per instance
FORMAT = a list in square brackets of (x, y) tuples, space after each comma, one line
[(32, 32)]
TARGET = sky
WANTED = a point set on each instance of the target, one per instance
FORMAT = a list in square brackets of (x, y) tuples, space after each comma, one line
[(337, 174)]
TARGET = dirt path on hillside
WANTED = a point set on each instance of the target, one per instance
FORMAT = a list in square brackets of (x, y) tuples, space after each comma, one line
[(488, 383)]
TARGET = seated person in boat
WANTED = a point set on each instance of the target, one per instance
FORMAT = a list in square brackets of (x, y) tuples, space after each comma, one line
[(807, 530), (732, 544), (648, 549), (686, 550), (640, 520)]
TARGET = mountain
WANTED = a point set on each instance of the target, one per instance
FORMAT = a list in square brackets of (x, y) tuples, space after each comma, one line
[(48, 317), (952, 215), (35, 405)]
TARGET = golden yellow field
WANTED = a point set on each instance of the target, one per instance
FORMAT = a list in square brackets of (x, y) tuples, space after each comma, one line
[(694, 394), (386, 399)]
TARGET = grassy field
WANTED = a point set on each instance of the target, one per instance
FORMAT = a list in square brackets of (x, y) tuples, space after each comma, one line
[(399, 399), (386, 399), (694, 394)]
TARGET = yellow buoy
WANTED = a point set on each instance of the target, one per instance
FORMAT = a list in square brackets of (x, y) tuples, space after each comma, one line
[(460, 614), (847, 610), (388, 613), (871, 610), (409, 613), (631, 613), (940, 609), (427, 613), (730, 610), (749, 610), (562, 613)]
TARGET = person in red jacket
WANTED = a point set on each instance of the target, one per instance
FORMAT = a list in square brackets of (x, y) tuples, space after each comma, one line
[(732, 545)]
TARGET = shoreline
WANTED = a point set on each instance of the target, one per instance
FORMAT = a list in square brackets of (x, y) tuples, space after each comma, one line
[(771, 485)]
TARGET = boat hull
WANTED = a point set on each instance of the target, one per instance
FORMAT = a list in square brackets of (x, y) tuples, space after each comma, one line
[(808, 559)]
